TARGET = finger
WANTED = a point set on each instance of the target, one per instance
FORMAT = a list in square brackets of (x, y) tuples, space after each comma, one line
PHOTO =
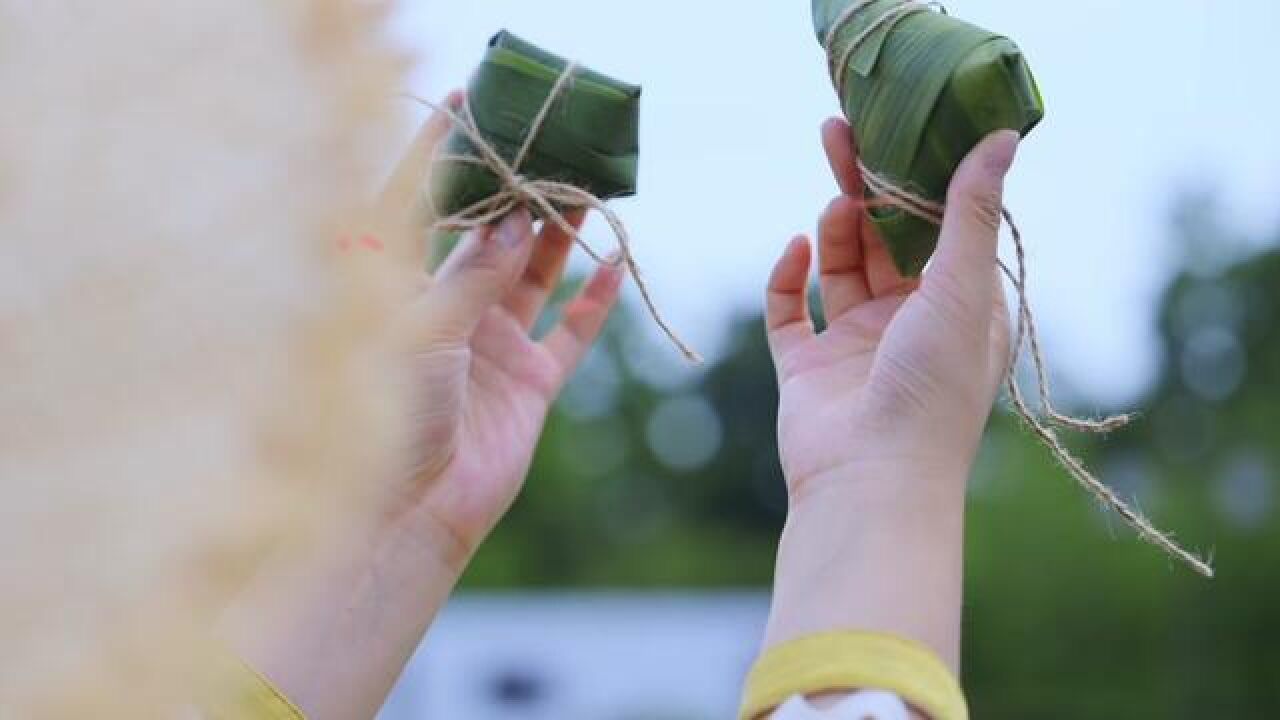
[(883, 277), (787, 319), (406, 180), (841, 270), (842, 155), (539, 280), (583, 319), (960, 271), (477, 275), (1001, 333), (401, 214), (881, 274)]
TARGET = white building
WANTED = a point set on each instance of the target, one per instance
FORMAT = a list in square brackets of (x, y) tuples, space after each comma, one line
[(608, 656)]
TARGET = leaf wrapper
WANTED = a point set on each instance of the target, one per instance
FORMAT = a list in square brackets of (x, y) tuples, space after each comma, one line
[(920, 93), (590, 139)]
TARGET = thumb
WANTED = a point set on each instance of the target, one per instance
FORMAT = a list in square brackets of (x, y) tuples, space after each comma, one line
[(477, 274), (968, 243)]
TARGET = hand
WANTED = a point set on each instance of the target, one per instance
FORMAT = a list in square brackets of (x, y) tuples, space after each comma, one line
[(481, 384), (907, 369), (881, 414), (333, 623)]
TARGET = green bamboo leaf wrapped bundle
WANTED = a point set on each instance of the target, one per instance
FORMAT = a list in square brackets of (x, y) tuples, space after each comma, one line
[(589, 139), (541, 132), (921, 89)]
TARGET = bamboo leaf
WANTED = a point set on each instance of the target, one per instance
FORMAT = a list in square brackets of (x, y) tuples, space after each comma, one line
[(589, 140), (920, 93)]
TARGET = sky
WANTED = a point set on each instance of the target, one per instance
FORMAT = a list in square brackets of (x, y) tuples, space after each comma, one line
[(1145, 100)]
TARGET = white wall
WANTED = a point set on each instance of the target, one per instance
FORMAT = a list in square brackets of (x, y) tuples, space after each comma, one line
[(583, 657)]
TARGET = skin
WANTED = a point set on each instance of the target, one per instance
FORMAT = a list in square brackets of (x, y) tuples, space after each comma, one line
[(334, 625), (880, 420), (881, 415)]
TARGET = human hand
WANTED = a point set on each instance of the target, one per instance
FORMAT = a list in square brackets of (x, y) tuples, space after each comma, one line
[(481, 384), (333, 621), (907, 370), (881, 414)]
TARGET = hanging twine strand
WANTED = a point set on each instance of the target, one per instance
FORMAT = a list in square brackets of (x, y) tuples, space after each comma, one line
[(1026, 335), (546, 197)]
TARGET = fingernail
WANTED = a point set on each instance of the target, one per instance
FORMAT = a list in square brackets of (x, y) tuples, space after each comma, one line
[(514, 229), (609, 277), (1004, 148)]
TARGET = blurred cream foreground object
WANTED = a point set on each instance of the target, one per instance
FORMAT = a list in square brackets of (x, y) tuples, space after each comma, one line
[(865, 705), (191, 373)]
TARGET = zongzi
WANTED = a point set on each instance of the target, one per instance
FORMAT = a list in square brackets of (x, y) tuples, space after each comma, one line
[(588, 138), (920, 89), (542, 132)]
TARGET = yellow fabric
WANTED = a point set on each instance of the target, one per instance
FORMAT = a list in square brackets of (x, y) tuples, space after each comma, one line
[(853, 661), (236, 691)]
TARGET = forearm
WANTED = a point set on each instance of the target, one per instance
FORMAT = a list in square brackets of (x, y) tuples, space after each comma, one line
[(333, 626), (875, 550)]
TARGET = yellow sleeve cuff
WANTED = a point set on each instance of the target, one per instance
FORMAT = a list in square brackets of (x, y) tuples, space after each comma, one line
[(852, 661), (238, 692)]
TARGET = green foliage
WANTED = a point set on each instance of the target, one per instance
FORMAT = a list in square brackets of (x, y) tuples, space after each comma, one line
[(1068, 615)]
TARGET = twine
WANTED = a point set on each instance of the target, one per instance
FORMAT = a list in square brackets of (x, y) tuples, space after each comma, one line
[(546, 197), (1026, 335)]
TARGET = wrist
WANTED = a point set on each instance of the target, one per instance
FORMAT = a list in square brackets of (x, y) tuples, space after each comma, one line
[(438, 521), (877, 548), (878, 447), (886, 477), (373, 587), (424, 535)]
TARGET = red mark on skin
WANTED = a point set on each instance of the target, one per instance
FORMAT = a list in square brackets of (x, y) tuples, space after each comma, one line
[(368, 242)]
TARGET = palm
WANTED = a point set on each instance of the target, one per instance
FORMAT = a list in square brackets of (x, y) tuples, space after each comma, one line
[(483, 393), (480, 386), (820, 379), (510, 384), (892, 350)]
